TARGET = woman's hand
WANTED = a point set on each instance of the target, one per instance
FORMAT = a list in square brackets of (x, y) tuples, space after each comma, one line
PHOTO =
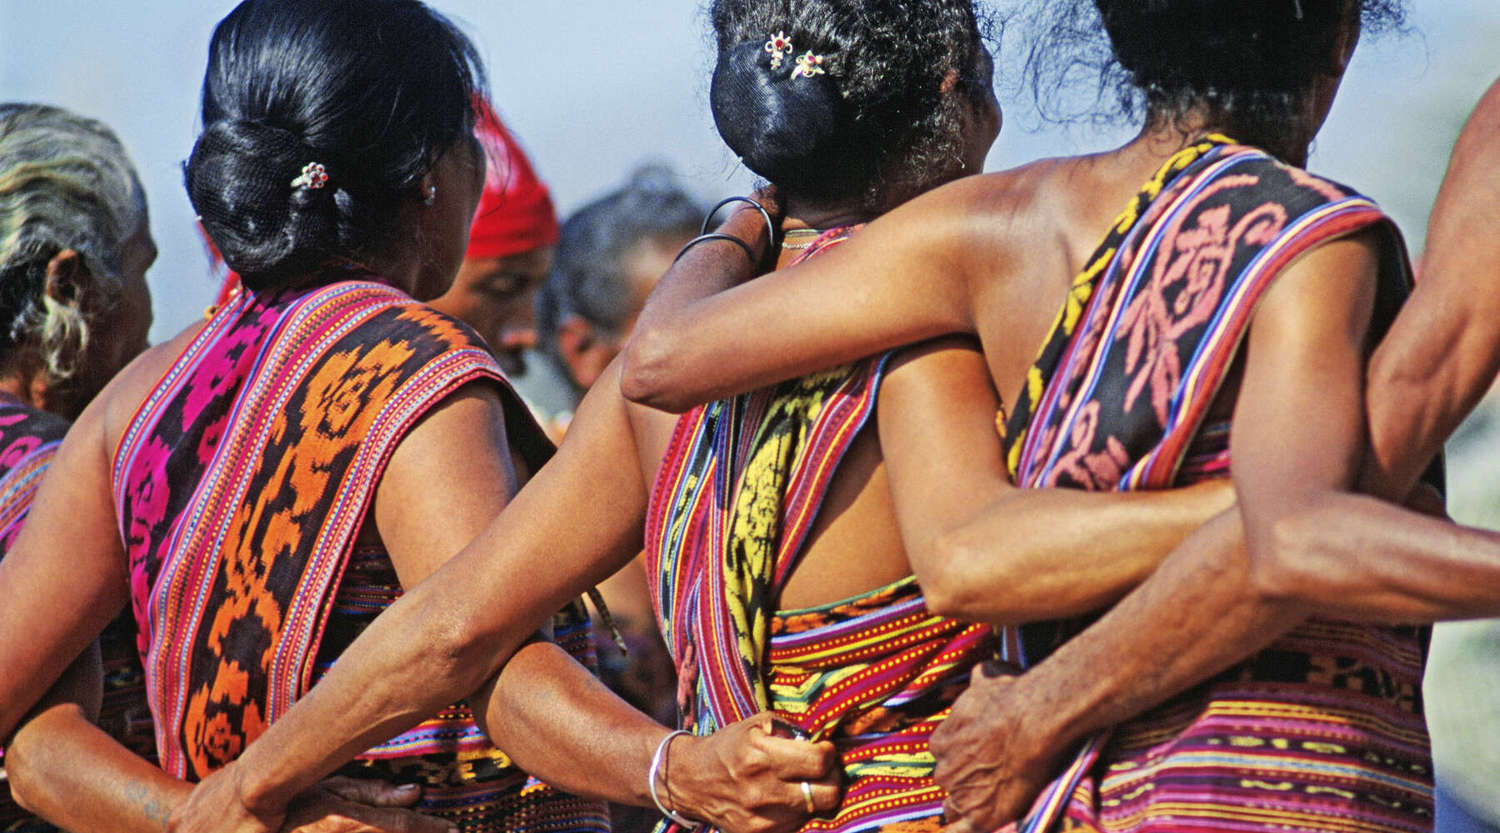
[(994, 752), (351, 805), (743, 779), (336, 805)]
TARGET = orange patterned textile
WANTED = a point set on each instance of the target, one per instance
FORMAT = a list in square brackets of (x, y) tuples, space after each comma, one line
[(240, 486)]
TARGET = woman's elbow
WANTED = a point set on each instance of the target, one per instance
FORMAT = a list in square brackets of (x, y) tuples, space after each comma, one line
[(26, 757), (948, 586), (1280, 560), (646, 370), (22, 786), (18, 774), (459, 654), (945, 599)]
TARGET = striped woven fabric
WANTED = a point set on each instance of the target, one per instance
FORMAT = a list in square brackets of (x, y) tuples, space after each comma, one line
[(736, 495), (28, 440), (875, 674), (240, 485), (1323, 730)]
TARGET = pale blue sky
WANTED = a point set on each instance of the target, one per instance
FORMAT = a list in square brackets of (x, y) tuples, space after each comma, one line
[(596, 87)]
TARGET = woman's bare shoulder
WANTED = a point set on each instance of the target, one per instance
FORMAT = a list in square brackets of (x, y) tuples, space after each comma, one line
[(116, 405), (1018, 214), (1029, 187), (1012, 206)]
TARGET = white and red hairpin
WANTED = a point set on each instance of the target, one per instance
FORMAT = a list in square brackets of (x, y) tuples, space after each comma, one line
[(778, 47), (313, 176), (808, 65)]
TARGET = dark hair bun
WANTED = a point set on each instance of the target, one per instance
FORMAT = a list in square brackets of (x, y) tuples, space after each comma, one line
[(239, 179), (781, 123), (876, 126), (376, 91)]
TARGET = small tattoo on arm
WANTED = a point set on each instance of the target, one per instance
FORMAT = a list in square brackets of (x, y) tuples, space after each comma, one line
[(152, 808)]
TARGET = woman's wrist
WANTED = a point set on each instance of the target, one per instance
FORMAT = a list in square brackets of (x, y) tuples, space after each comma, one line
[(750, 225), (256, 788), (1072, 712), (754, 236), (756, 221), (672, 796)]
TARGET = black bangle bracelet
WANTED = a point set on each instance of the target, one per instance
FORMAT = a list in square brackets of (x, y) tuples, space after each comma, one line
[(704, 238), (764, 215)]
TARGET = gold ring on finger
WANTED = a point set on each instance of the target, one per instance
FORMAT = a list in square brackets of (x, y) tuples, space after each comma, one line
[(807, 797)]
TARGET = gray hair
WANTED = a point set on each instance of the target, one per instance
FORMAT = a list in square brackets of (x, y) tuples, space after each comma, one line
[(587, 277), (65, 183)]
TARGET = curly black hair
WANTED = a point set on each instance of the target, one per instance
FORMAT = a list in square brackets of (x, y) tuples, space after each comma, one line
[(874, 125), (1251, 64)]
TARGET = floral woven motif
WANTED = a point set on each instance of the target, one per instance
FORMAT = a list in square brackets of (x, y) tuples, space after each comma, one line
[(241, 484), (1323, 730)]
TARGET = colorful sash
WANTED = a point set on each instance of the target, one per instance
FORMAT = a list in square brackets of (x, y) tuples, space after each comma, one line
[(28, 440), (875, 674), (241, 484), (737, 493), (1323, 731)]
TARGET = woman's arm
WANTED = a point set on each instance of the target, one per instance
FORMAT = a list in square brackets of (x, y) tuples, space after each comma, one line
[(1299, 436), (59, 764), (903, 279), (67, 770), (63, 579), (575, 734), (70, 772), (578, 520), (1358, 557), (1364, 558), (554, 718), (1443, 351), (986, 551)]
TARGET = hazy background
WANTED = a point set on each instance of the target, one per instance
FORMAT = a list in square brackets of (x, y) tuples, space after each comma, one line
[(595, 88)]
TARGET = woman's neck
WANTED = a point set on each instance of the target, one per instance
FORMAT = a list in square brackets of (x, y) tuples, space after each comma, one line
[(1165, 134), (30, 387), (803, 214), (401, 270)]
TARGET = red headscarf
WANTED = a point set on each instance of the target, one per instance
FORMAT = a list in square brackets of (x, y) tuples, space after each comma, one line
[(515, 212)]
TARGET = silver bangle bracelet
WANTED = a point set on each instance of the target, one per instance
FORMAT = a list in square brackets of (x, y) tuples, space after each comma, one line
[(656, 762)]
